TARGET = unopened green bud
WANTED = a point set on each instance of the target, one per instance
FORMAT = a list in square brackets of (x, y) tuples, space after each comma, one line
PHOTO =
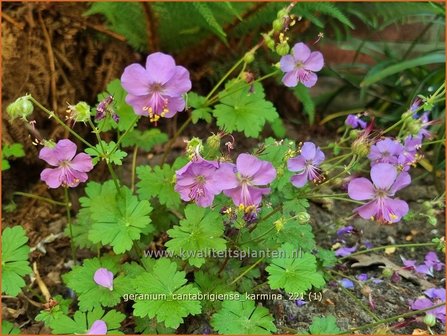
[(79, 112), (249, 57), (194, 147), (413, 126), (430, 320), (353, 134), (360, 148), (302, 217), (427, 205), (278, 25), (213, 142), (387, 272), (283, 12), (282, 48), (279, 224), (269, 41), (21, 108), (432, 220)]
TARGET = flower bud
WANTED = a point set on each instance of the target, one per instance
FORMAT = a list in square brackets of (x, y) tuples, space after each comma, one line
[(432, 220), (282, 13), (430, 320), (278, 25), (427, 205), (213, 142), (194, 147), (387, 272), (302, 217), (279, 224), (21, 108), (282, 48), (249, 57), (413, 126), (79, 112), (269, 42), (360, 148)]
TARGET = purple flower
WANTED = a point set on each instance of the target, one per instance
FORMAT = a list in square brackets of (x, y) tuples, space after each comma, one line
[(386, 182), (431, 260), (104, 278), (415, 104), (250, 172), (346, 283), (355, 122), (345, 251), (201, 180), (362, 277), (300, 65), (157, 90), (424, 124), (409, 154), (71, 170), (300, 302), (434, 297), (99, 327), (307, 165), (385, 151), (345, 230)]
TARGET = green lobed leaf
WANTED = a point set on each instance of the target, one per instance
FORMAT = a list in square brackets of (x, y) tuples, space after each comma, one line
[(14, 150), (242, 110), (294, 272), (120, 221), (243, 318), (48, 316), (106, 150), (200, 232), (15, 264), (83, 321), (165, 281), (90, 294), (9, 328), (326, 325), (158, 182)]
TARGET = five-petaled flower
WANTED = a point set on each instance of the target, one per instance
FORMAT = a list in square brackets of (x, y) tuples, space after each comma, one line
[(248, 174), (385, 183), (307, 165), (201, 180), (300, 66), (71, 170), (104, 278), (157, 90), (385, 151)]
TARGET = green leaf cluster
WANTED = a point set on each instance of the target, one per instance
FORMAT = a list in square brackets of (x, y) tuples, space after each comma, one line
[(108, 152), (11, 151)]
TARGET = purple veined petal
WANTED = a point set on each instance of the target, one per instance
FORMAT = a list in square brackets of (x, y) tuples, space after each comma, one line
[(319, 156), (205, 200), (52, 177), (361, 189), (104, 278), (368, 210), (160, 67), (235, 195), (265, 175), (49, 155), (175, 104), (421, 303), (296, 164), (138, 104), (82, 163), (287, 63), (256, 195), (383, 175), (65, 150), (225, 177), (315, 62), (308, 151), (300, 52), (290, 79), (178, 84), (346, 283), (258, 171), (395, 209), (345, 230), (408, 263), (135, 80), (308, 78), (299, 180), (436, 293), (424, 269), (431, 258), (99, 327)]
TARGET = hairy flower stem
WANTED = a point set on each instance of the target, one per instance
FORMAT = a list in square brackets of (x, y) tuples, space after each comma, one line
[(391, 319), (377, 248), (134, 163), (53, 115), (40, 198), (70, 228)]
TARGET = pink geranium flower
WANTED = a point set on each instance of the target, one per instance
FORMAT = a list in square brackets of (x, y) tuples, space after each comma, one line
[(70, 169)]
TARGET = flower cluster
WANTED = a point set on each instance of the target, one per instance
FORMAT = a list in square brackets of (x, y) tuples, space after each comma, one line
[(201, 180), (434, 296), (156, 90)]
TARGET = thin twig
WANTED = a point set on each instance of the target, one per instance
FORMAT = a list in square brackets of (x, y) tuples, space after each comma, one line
[(18, 25)]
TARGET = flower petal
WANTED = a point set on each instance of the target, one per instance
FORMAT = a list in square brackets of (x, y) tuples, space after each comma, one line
[(82, 163), (104, 278), (258, 171), (315, 62), (52, 177), (395, 209), (368, 210), (176, 104), (138, 103), (160, 67), (300, 52), (135, 80), (308, 150), (290, 79), (65, 150), (308, 78), (383, 175), (287, 63), (99, 327), (178, 84), (296, 164), (360, 189), (299, 180), (402, 180)]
